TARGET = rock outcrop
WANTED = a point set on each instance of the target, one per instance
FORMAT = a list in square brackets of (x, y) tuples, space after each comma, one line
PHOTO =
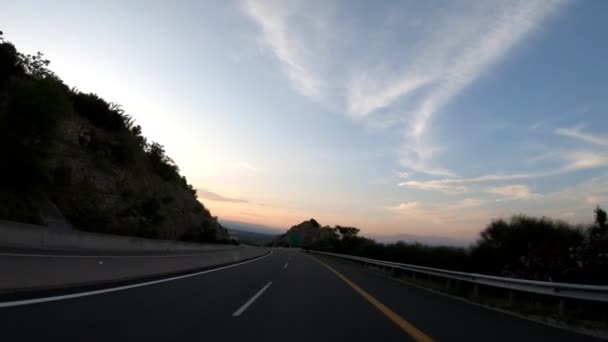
[(303, 234), (88, 160)]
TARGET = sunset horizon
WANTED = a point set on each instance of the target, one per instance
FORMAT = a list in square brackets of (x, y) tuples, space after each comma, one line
[(430, 120)]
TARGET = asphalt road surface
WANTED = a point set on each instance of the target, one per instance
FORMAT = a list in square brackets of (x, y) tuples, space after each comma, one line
[(285, 296)]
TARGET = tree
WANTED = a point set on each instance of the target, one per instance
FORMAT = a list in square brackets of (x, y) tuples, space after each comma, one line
[(9, 61), (600, 217), (36, 65), (600, 229), (347, 232), (527, 247)]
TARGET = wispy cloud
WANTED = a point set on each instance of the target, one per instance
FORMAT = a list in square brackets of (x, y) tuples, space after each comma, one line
[(460, 185), (457, 53), (362, 100), (293, 53), (403, 174), (418, 157), (404, 206), (537, 125), (458, 46), (441, 185), (578, 133), (514, 192), (465, 214), (468, 203), (582, 160), (212, 196), (573, 161), (478, 52)]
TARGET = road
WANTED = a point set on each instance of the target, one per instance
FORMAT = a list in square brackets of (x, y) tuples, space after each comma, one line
[(287, 295)]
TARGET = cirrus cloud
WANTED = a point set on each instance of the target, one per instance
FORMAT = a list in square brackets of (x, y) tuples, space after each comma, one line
[(213, 196)]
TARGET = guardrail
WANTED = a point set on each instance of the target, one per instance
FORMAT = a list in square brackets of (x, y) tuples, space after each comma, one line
[(564, 290)]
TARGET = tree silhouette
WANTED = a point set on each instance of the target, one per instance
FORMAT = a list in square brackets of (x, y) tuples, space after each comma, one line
[(600, 217), (347, 232)]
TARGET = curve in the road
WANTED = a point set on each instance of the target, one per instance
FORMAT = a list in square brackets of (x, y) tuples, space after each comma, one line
[(122, 288)]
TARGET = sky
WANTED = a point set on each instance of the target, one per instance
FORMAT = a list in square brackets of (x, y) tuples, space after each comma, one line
[(399, 117)]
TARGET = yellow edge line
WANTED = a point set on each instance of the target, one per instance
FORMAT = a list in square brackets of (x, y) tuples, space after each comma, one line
[(406, 326)]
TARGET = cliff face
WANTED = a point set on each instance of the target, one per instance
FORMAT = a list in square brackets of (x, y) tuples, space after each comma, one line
[(100, 191), (303, 234), (89, 159)]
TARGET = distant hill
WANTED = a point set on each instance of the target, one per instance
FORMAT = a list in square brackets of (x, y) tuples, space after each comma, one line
[(249, 227), (249, 233), (310, 232), (423, 239), (250, 238), (304, 234), (76, 152)]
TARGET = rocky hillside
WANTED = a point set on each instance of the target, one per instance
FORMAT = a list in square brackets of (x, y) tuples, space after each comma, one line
[(304, 234), (87, 157)]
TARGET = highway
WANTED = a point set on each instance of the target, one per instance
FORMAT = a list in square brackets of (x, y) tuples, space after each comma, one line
[(286, 295)]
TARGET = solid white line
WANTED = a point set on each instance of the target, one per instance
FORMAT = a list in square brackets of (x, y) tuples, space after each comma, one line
[(108, 256), (120, 288), (250, 301), (286, 264)]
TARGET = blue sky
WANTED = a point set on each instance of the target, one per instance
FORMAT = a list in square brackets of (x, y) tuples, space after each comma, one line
[(427, 118)]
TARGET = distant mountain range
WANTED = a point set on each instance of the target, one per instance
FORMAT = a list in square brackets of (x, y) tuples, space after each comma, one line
[(250, 227), (425, 240), (410, 238), (249, 233)]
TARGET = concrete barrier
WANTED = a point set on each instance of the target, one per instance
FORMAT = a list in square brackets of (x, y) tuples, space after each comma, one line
[(14, 235), (25, 273), (94, 259)]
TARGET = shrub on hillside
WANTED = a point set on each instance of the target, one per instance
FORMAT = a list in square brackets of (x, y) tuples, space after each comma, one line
[(527, 247), (161, 163)]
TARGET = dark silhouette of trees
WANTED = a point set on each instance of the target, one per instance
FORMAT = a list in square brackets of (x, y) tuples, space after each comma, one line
[(347, 232), (162, 164), (30, 109), (521, 247), (527, 247), (600, 221)]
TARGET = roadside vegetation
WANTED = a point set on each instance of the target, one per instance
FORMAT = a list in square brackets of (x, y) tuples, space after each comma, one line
[(521, 247)]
